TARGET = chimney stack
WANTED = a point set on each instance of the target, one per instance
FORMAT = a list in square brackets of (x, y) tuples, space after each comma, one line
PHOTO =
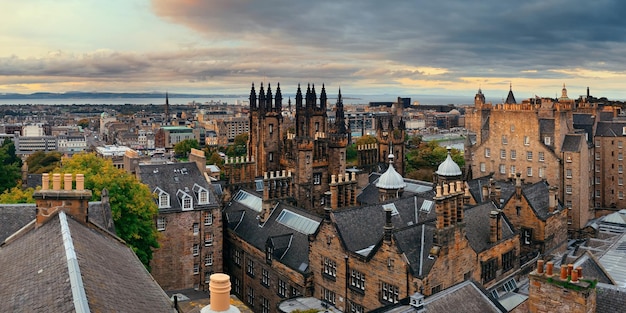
[(388, 228), (74, 202), (552, 202), (494, 223)]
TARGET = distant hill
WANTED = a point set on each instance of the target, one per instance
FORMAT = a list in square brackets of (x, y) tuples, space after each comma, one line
[(104, 95)]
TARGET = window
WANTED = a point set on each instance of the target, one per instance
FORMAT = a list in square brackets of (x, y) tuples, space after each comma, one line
[(282, 288), (237, 257), (620, 156), (547, 140), (196, 228), (250, 296), (388, 292), (203, 197), (502, 154), (236, 285), (513, 154), (317, 178), (208, 218), (513, 170), (328, 295), (196, 269), (620, 181), (250, 267), (271, 128), (512, 128), (330, 267), (619, 144), (597, 193), (620, 169), (526, 140), (483, 168), (502, 169), (161, 223), (265, 277), (504, 140), (597, 156), (164, 200), (270, 156), (529, 171), (527, 236), (265, 305), (568, 173), (207, 277), (489, 269), (208, 259), (620, 195), (435, 289), (208, 239), (541, 172), (568, 189), (529, 155), (507, 260), (195, 250), (541, 157), (317, 126), (356, 308), (597, 143), (187, 204), (357, 280), (487, 152), (295, 292)]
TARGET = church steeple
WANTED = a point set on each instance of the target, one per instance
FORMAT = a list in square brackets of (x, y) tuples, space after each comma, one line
[(252, 98), (278, 99), (340, 118), (299, 98), (167, 107), (268, 98), (323, 98), (261, 98)]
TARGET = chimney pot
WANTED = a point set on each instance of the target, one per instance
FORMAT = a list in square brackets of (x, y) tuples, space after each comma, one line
[(219, 288), (549, 269), (56, 181), (80, 182), (45, 181), (580, 272), (563, 272), (574, 276), (67, 182), (570, 268), (445, 189), (540, 267)]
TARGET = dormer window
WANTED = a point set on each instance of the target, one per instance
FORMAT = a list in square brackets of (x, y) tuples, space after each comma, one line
[(202, 194), (163, 198), (186, 200)]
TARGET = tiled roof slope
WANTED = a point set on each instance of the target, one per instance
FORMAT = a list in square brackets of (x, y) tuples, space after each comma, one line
[(477, 226), (175, 177), (36, 278), (243, 221), (465, 297), (13, 217), (610, 299)]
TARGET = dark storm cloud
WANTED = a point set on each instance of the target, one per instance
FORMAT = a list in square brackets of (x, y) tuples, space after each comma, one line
[(464, 36)]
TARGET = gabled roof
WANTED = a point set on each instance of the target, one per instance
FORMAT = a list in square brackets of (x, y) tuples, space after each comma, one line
[(15, 216), (610, 128), (409, 241), (572, 143), (592, 269), (174, 178), (64, 264), (242, 220), (468, 293), (477, 226), (507, 188), (538, 197), (361, 228)]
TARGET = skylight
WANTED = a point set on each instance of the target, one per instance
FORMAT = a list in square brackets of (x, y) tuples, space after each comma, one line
[(394, 210), (415, 188), (427, 205), (251, 201), (297, 222)]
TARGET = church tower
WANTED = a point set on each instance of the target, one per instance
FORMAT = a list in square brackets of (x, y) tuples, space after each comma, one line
[(390, 134), (264, 141)]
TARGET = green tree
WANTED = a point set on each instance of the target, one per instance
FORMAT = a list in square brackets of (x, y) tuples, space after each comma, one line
[(132, 204), (84, 123), (367, 139), (17, 195), (10, 166), (424, 160), (239, 146), (43, 162), (184, 147)]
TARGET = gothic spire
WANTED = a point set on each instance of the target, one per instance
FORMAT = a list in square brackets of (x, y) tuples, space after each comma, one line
[(323, 98), (268, 98), (252, 98)]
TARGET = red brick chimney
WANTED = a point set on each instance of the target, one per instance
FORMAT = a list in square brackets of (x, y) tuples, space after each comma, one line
[(74, 202)]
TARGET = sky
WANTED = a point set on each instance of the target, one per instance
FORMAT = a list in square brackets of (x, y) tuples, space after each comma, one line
[(413, 47)]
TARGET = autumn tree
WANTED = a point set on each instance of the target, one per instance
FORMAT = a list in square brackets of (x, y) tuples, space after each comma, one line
[(17, 195), (10, 166), (43, 162), (239, 146), (132, 204), (183, 148), (424, 160)]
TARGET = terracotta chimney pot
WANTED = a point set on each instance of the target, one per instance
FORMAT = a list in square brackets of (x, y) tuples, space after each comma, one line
[(549, 269), (540, 267)]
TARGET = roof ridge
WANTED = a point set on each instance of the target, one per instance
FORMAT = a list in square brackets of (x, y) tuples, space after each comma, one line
[(76, 281)]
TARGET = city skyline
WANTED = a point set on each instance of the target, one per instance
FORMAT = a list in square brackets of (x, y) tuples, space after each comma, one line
[(448, 48)]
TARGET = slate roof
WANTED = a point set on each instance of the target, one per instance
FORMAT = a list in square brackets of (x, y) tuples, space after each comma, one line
[(572, 143), (15, 216), (478, 226), (243, 221), (507, 188), (610, 129), (362, 227), (175, 177), (410, 243), (585, 122), (613, 261), (546, 126), (592, 269), (538, 196), (113, 278), (610, 299)]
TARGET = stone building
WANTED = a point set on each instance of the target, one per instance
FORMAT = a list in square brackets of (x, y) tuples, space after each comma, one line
[(537, 139), (189, 224)]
